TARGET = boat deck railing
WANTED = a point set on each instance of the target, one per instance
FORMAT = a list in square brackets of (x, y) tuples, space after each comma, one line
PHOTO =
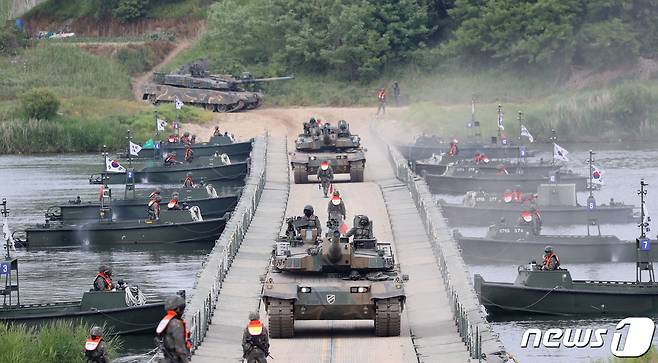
[(214, 270)]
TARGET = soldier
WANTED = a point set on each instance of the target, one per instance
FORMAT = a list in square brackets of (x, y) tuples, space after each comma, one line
[(551, 261), (453, 150), (255, 340), (217, 132), (336, 207), (95, 347), (155, 192), (193, 140), (103, 280), (312, 221), (396, 93), (185, 139), (189, 154), (189, 182), (173, 203), (170, 159), (362, 228), (154, 208), (381, 97), (326, 176), (172, 334)]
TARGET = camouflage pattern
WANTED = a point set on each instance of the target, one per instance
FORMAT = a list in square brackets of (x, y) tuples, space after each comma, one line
[(196, 86), (335, 144), (331, 278)]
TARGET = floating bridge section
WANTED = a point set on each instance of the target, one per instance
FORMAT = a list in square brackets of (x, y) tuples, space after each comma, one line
[(442, 321)]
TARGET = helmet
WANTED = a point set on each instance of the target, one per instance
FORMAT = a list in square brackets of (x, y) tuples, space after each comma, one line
[(336, 193), (364, 221), (253, 315), (189, 173), (174, 195), (105, 269), (548, 249), (175, 302), (96, 331), (312, 119), (308, 210), (335, 200), (186, 134)]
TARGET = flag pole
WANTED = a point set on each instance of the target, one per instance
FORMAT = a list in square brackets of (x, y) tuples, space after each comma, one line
[(591, 172), (130, 154), (500, 113)]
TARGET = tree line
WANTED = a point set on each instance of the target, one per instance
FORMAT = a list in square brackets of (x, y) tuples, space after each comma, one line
[(361, 39)]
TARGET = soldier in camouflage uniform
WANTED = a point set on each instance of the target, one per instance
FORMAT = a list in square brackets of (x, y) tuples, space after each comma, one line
[(312, 221), (326, 176), (255, 340), (336, 207), (362, 228)]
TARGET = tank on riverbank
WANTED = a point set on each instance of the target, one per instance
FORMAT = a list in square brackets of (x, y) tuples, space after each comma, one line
[(194, 85)]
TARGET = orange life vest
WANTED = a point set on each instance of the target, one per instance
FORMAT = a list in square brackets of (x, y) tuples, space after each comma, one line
[(255, 327), (547, 260), (91, 344), (478, 158), (527, 216), (507, 197), (188, 153), (381, 95), (189, 182), (453, 149), (172, 203), (108, 282), (162, 326), (516, 195)]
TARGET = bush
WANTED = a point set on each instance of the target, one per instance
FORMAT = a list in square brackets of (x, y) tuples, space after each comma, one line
[(631, 107), (40, 104), (128, 10), (11, 40), (135, 60)]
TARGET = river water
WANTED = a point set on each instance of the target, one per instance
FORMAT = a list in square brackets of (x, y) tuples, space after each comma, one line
[(623, 167), (31, 184)]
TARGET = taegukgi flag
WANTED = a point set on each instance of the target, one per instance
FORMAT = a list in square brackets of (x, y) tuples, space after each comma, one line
[(179, 104), (161, 124), (113, 166), (560, 153), (597, 175), (134, 149), (526, 133)]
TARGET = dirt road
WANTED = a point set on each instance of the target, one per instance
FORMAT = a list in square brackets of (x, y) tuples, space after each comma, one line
[(139, 81)]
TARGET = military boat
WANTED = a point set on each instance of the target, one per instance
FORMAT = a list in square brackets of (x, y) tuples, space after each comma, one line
[(217, 145), (557, 204), (331, 278), (425, 147), (453, 182), (335, 144), (174, 226), (194, 85), (509, 243), (437, 164), (131, 209), (175, 174), (540, 291)]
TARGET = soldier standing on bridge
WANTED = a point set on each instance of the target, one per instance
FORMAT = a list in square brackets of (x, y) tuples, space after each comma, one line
[(255, 340), (172, 334), (326, 176)]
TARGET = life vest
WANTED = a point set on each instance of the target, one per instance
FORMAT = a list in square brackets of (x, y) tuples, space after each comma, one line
[(547, 260), (516, 195), (184, 140), (152, 201), (170, 158), (526, 216), (172, 139), (255, 327), (453, 149), (172, 203), (484, 158), (381, 95), (92, 344), (507, 197), (188, 153), (162, 326), (153, 194), (108, 282), (478, 158), (189, 182)]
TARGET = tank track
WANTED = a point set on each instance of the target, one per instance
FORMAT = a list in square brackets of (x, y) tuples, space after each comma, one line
[(387, 317), (356, 174), (300, 175), (281, 320)]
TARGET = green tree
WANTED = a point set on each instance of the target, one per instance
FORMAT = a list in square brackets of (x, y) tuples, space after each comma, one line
[(129, 10), (40, 104)]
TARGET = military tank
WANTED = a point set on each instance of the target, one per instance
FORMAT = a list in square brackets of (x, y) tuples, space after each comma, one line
[(331, 278), (194, 85), (335, 144)]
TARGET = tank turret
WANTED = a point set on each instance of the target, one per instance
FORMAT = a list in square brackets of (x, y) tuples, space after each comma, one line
[(327, 138)]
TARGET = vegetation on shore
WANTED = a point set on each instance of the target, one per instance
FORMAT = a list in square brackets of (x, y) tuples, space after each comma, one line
[(54, 343)]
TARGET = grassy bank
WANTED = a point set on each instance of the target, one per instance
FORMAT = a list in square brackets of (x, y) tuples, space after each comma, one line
[(59, 342), (86, 124)]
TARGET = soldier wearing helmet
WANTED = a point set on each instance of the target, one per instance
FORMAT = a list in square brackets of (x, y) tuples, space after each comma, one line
[(185, 139), (172, 334), (103, 280), (255, 340), (217, 132), (336, 207), (362, 228), (189, 182), (325, 176), (154, 207), (95, 351), (188, 154), (312, 221), (174, 204), (551, 261)]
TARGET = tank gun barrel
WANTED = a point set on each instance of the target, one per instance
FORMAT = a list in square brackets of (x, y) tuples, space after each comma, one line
[(335, 252), (270, 79)]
